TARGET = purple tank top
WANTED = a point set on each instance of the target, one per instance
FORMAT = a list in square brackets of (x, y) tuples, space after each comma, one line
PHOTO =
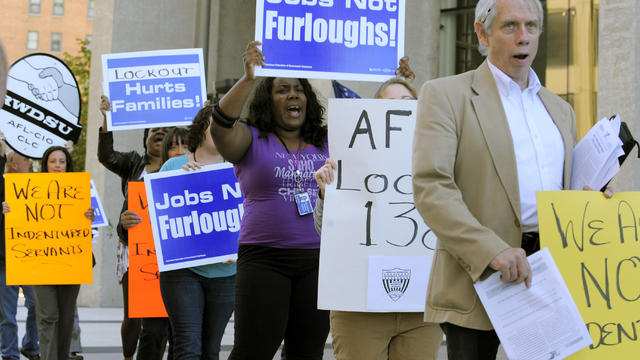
[(266, 175)]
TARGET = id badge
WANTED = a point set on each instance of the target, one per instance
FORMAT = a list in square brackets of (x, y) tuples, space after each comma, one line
[(303, 202)]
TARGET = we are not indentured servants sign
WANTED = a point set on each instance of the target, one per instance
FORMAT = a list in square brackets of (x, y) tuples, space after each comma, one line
[(48, 238), (331, 39), (153, 88)]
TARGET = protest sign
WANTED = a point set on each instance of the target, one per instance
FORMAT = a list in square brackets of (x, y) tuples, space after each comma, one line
[(48, 238), (153, 88), (145, 299), (195, 215), (369, 210), (594, 242), (327, 39), (101, 218), (42, 105)]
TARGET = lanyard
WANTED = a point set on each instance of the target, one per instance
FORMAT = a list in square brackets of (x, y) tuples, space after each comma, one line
[(296, 161)]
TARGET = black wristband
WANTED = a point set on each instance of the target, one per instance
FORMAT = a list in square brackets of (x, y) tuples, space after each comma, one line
[(222, 119)]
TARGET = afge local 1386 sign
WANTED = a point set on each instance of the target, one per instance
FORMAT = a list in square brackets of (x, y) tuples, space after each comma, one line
[(42, 105)]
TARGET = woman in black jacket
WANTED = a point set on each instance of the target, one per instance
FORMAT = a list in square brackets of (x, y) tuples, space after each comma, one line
[(131, 166)]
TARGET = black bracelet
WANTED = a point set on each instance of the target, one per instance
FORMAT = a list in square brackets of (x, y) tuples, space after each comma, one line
[(222, 119)]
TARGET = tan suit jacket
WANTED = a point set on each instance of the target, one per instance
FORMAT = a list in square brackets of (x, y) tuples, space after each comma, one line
[(466, 186)]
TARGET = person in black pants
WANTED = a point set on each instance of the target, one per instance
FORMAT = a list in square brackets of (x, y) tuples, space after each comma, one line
[(274, 157), (131, 166)]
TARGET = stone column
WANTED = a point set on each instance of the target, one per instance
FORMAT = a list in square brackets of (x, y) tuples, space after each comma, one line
[(619, 75)]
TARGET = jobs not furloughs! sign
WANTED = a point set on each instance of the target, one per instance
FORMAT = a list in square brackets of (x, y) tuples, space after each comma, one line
[(42, 106), (153, 88), (331, 39), (195, 215)]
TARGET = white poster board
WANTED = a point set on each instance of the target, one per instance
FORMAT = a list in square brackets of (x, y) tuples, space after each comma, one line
[(153, 88), (369, 213)]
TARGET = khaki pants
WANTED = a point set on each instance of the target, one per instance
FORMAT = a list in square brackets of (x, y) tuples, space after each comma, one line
[(384, 336)]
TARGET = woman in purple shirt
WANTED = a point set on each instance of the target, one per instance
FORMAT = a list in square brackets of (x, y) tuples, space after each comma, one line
[(275, 156)]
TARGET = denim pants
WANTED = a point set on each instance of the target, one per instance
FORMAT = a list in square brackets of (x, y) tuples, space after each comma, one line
[(8, 324), (154, 336), (199, 309)]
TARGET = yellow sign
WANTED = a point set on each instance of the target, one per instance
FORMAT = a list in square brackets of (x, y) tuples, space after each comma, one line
[(595, 242), (48, 238)]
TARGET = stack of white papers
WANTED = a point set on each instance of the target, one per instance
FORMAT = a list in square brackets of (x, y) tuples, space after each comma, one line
[(537, 323), (595, 158)]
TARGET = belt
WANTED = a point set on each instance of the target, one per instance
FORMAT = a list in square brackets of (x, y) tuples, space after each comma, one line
[(530, 242)]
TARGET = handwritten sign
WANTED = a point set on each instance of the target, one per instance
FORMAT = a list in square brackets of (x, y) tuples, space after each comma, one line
[(48, 238), (369, 210), (327, 39), (42, 106), (100, 219), (145, 299), (153, 88), (595, 243), (195, 215)]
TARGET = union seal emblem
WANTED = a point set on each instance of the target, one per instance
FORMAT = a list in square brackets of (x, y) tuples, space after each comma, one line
[(396, 282)]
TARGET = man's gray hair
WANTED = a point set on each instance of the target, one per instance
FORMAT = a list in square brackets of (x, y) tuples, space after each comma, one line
[(486, 11)]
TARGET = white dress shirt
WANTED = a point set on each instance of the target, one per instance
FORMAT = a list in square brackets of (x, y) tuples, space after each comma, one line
[(537, 142)]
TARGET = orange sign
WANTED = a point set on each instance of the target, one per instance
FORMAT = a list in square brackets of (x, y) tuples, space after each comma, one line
[(48, 238), (145, 299)]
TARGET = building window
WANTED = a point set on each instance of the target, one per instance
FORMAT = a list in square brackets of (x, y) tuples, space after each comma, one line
[(56, 42), (34, 6), (32, 40), (58, 7), (92, 9)]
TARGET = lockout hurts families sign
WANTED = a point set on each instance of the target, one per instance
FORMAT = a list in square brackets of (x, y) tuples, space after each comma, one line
[(331, 39), (594, 241), (195, 215), (153, 88), (48, 237), (145, 299), (376, 250)]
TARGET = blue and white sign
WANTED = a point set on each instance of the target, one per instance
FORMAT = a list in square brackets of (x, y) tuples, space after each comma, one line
[(100, 216), (153, 88), (195, 215), (331, 39)]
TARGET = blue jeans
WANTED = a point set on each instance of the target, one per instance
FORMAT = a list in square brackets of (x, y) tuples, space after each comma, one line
[(8, 325), (199, 309)]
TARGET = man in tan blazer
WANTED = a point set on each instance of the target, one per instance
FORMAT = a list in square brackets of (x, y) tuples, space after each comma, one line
[(485, 141)]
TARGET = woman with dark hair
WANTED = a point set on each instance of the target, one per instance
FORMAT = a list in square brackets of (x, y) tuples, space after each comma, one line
[(175, 143), (55, 304), (275, 155), (131, 166), (199, 319)]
